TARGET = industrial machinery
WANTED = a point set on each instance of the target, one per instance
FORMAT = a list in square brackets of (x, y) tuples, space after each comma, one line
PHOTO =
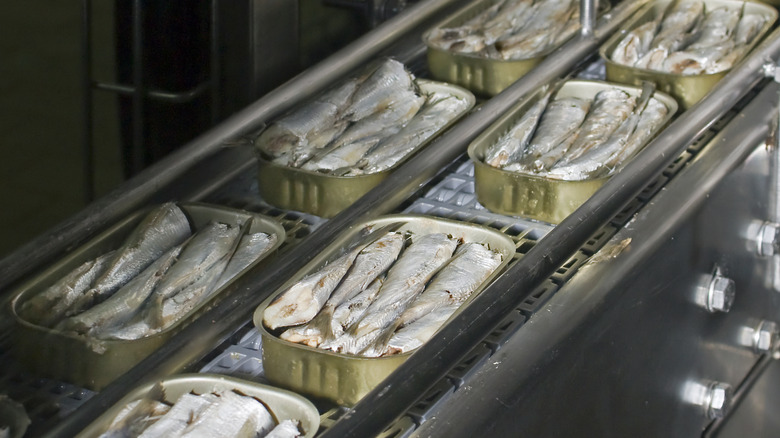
[(652, 310)]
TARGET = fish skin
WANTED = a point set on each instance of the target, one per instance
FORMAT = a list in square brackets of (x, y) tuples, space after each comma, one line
[(560, 122), (162, 229), (748, 28), (414, 335), (312, 125), (609, 109), (49, 307), (206, 247), (176, 420), (379, 90), (405, 280), (471, 265), (230, 415), (624, 143), (454, 38), (635, 44), (350, 311), (679, 25), (123, 304), (301, 301), (344, 156), (138, 415), (510, 18), (549, 17), (285, 429), (369, 264), (250, 248), (511, 146), (439, 109)]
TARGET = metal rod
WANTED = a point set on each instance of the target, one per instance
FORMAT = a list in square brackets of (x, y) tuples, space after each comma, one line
[(739, 394), (88, 149), (137, 158), (137, 191), (588, 13), (165, 96), (251, 289), (389, 400)]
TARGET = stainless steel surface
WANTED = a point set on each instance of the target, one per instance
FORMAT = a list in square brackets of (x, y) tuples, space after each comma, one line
[(623, 335), (588, 12), (756, 414), (449, 344)]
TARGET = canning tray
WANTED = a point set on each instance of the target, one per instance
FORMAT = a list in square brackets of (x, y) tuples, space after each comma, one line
[(75, 359), (342, 378)]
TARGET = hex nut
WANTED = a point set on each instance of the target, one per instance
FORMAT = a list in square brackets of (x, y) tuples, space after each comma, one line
[(768, 239), (721, 294), (765, 337), (719, 400)]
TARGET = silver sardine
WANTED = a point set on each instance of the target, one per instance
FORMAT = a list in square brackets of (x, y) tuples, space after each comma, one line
[(231, 415), (303, 300), (181, 415), (556, 130), (372, 261), (511, 146), (350, 311), (414, 335), (250, 248), (540, 32), (285, 429), (48, 307), (405, 280), (161, 230)]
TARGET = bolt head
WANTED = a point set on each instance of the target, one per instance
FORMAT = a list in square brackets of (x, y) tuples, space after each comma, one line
[(721, 294), (768, 239), (719, 400), (766, 337)]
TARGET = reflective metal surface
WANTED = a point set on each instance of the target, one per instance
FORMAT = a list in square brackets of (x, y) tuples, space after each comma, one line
[(623, 343)]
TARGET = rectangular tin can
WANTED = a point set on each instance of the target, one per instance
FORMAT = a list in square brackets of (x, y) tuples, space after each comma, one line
[(483, 76), (536, 197), (283, 405), (342, 378), (687, 89), (326, 195), (71, 358)]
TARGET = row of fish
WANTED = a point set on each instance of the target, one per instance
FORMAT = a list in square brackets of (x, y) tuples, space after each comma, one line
[(366, 125), (215, 414), (511, 29), (689, 39), (162, 271), (383, 297), (573, 138)]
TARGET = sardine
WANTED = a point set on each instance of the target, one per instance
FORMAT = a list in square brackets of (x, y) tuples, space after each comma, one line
[(439, 110), (555, 133), (350, 311), (471, 265), (635, 44), (624, 142), (405, 280), (549, 17), (138, 415), (679, 27), (414, 335), (309, 126), (230, 415), (748, 28), (303, 300), (512, 16), (250, 248), (124, 304), (161, 230), (48, 307), (609, 109), (511, 146), (200, 263), (380, 90), (285, 429), (371, 262), (181, 414), (466, 38), (345, 156)]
